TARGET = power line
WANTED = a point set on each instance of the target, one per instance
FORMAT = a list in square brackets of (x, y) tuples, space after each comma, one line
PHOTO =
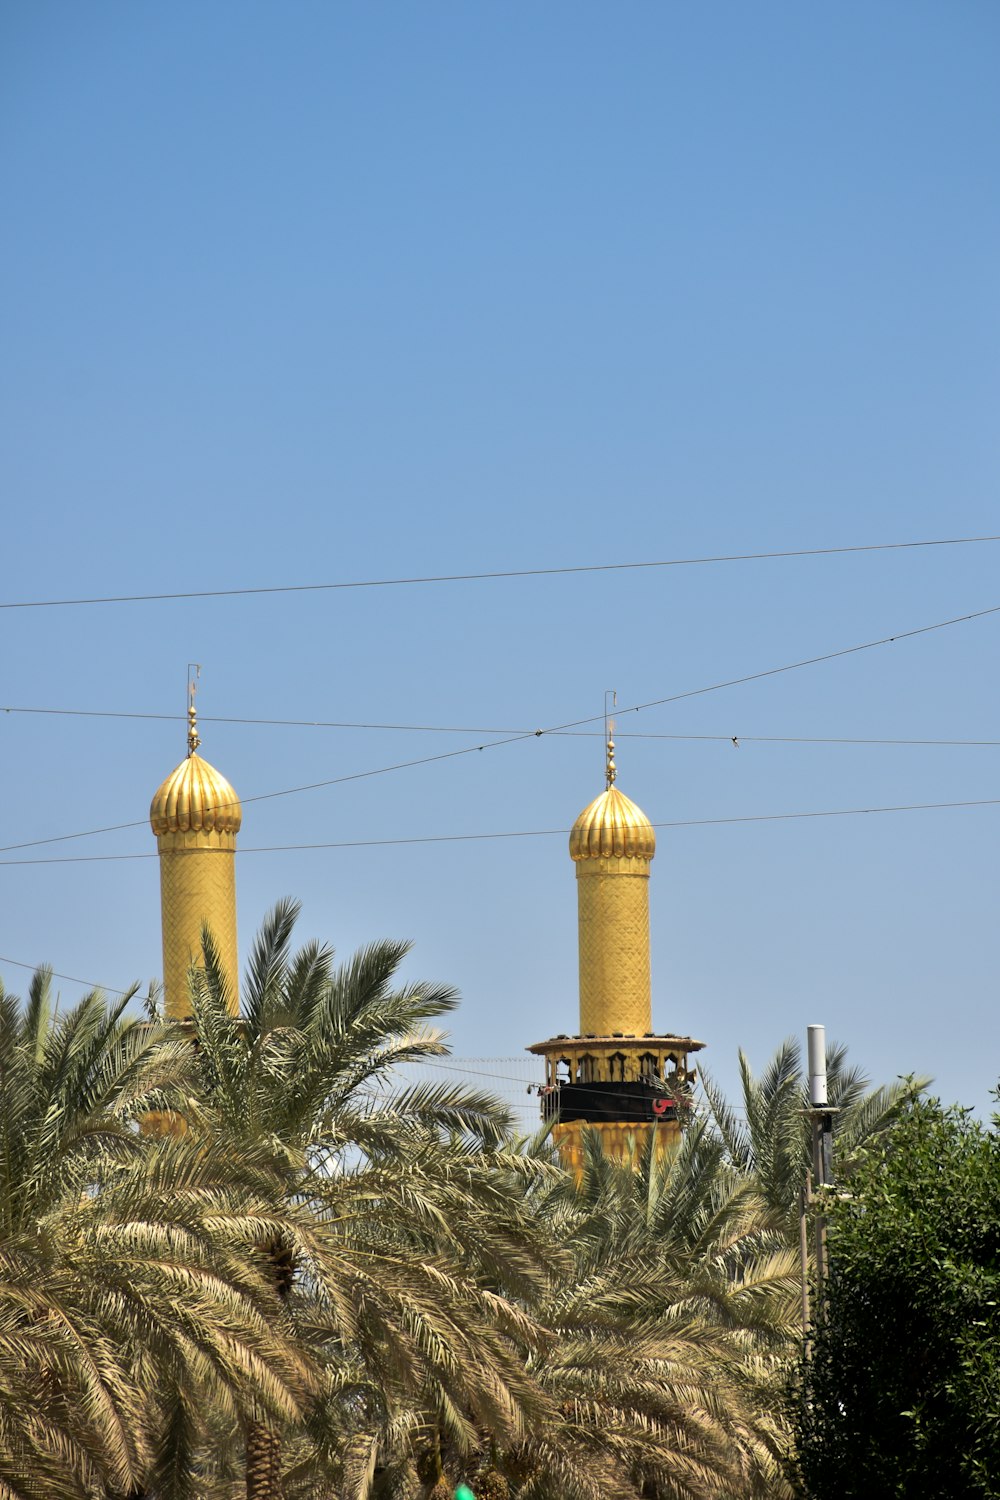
[(522, 833), (529, 1085), (806, 739), (520, 735), (638, 734), (61, 838), (534, 833), (87, 985), (382, 583), (809, 661), (426, 1062)]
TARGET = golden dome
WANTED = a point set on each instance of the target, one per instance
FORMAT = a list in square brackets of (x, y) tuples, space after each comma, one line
[(195, 798), (612, 827)]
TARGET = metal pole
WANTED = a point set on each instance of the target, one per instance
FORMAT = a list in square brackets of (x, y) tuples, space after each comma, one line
[(805, 1197), (820, 1221), (821, 1117)]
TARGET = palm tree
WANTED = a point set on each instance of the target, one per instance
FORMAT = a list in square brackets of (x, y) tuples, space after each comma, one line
[(120, 1268), (394, 1197), (678, 1301), (768, 1140)]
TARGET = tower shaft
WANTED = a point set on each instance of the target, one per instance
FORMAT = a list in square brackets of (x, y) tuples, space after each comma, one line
[(613, 916), (197, 890)]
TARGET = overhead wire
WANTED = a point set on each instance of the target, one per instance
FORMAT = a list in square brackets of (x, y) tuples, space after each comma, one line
[(629, 734), (568, 728), (423, 1062), (290, 791), (537, 1086), (539, 733), (71, 978), (522, 833), (530, 1085), (506, 573), (809, 661), (427, 1062)]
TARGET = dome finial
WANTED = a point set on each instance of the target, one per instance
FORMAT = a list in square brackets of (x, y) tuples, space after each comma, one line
[(194, 738), (612, 827), (610, 770)]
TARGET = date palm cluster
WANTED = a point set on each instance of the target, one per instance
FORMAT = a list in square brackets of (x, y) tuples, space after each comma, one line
[(239, 1258)]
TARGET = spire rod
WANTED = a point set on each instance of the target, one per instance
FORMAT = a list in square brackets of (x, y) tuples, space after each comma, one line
[(610, 771), (194, 738)]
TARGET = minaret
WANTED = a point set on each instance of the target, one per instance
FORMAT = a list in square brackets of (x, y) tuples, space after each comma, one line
[(612, 844), (616, 1075), (196, 816)]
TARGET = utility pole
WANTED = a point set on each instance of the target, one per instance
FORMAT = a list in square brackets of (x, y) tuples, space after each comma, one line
[(821, 1119), (805, 1199)]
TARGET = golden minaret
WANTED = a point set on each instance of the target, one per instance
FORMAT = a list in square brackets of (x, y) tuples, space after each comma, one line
[(196, 816), (616, 1075), (612, 844)]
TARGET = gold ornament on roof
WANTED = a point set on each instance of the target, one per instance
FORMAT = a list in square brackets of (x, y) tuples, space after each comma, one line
[(612, 827), (195, 798), (194, 738)]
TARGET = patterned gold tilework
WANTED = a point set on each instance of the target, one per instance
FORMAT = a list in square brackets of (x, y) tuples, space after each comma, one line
[(197, 888), (613, 904), (623, 1142)]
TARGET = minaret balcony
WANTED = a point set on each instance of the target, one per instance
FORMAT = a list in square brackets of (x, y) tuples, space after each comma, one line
[(628, 1080)]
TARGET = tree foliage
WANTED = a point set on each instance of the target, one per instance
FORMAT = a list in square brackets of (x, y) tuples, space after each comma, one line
[(121, 1273), (240, 1258), (403, 1253), (902, 1396), (677, 1304)]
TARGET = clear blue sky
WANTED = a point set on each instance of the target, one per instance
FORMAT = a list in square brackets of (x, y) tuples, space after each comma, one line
[(298, 293)]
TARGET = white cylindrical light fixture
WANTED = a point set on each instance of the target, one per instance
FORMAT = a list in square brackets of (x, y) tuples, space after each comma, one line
[(817, 1066)]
